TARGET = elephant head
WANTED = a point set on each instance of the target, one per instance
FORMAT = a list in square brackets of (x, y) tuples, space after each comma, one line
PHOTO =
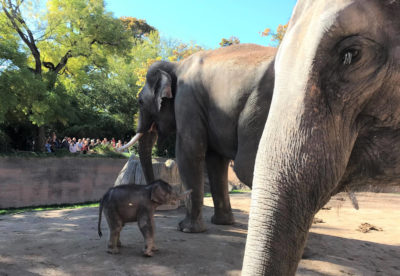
[(163, 193), (334, 126), (156, 112)]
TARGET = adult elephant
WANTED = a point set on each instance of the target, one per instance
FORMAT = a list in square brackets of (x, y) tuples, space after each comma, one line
[(335, 126), (217, 102)]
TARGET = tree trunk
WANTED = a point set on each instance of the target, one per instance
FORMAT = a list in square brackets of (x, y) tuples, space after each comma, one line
[(40, 139)]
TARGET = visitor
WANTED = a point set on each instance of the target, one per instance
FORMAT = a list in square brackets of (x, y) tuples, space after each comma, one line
[(48, 145), (54, 142), (98, 142), (85, 147), (92, 144), (73, 146), (113, 142), (119, 144), (65, 143), (79, 145)]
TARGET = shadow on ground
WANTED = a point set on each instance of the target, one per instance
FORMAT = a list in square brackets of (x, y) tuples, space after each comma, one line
[(331, 254), (65, 242)]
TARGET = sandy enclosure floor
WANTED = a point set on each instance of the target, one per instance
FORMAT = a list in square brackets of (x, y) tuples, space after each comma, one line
[(65, 242)]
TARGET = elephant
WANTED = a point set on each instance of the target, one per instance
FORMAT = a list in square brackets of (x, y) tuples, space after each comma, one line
[(129, 203), (216, 102), (334, 127)]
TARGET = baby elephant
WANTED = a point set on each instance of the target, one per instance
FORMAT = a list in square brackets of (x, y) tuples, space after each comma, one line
[(128, 203)]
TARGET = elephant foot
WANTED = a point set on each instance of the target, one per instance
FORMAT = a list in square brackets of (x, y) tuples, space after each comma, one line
[(189, 226), (118, 245), (113, 251), (148, 253), (223, 219)]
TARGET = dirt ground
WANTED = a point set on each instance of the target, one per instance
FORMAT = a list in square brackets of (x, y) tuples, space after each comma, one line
[(65, 242)]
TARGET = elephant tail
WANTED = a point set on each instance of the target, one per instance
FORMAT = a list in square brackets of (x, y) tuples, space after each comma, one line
[(100, 213)]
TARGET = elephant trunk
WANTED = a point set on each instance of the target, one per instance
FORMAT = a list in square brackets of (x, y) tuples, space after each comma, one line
[(146, 144), (299, 163)]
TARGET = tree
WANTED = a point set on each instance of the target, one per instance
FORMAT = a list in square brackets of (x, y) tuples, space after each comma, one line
[(74, 69), (77, 32), (183, 50), (277, 36), (228, 42), (172, 51), (138, 27)]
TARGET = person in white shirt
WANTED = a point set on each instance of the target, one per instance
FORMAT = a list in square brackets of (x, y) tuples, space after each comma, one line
[(73, 147)]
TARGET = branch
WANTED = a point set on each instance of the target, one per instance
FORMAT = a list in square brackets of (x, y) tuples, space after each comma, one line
[(30, 42), (103, 43), (49, 65), (62, 62)]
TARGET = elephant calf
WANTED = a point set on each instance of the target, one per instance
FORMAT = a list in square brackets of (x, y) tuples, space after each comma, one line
[(129, 203)]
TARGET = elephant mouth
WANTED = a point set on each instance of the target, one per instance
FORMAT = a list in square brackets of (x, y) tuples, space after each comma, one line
[(153, 127)]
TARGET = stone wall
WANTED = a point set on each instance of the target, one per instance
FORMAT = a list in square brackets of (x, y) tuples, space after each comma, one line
[(47, 181)]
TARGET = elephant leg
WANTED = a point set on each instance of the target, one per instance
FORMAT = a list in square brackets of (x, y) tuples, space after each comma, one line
[(115, 226), (217, 168), (119, 244), (190, 155), (146, 226), (113, 241)]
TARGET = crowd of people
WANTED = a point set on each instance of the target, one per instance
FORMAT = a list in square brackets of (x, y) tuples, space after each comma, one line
[(83, 145)]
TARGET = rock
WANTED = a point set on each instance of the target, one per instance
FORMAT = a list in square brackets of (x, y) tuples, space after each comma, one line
[(166, 170), (233, 181)]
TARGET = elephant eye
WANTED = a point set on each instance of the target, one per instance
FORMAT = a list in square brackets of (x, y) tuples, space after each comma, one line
[(349, 56)]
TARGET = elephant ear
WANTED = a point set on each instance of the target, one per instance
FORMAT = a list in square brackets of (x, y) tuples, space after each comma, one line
[(164, 89), (160, 192)]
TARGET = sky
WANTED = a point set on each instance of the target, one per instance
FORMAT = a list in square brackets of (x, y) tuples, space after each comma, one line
[(206, 22)]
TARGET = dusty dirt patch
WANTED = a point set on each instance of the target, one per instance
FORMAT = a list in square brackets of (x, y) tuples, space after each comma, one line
[(65, 242)]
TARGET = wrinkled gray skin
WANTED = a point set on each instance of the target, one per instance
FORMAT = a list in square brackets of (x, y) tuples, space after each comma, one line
[(129, 203), (217, 102), (335, 126)]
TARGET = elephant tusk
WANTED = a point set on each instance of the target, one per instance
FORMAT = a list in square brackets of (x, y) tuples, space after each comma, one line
[(132, 141)]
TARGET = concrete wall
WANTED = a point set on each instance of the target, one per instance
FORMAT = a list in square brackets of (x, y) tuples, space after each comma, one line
[(46, 181)]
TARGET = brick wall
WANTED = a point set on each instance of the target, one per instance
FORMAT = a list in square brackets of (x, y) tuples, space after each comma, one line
[(46, 181)]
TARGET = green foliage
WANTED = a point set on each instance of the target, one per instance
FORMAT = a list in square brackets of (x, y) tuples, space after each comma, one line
[(230, 41), (138, 27), (183, 50), (13, 211), (4, 142), (74, 69), (84, 28), (96, 126), (240, 191), (107, 150), (42, 77)]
